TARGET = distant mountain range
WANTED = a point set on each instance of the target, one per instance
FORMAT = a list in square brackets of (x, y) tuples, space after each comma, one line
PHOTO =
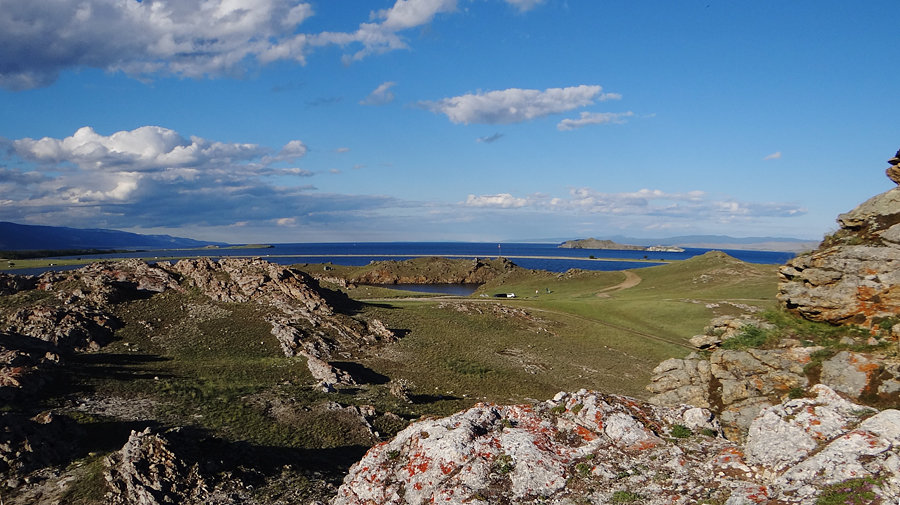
[(23, 237)]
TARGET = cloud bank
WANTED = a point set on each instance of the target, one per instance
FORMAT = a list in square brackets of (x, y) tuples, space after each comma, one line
[(186, 38), (154, 177), (693, 205)]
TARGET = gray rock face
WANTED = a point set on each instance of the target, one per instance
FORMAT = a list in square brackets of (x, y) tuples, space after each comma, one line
[(806, 444), (850, 373), (583, 445), (736, 384), (587, 447)]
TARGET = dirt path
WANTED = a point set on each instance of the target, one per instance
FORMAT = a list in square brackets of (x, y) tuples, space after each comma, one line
[(631, 280)]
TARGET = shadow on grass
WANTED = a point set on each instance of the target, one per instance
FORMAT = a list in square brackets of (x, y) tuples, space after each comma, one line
[(360, 373), (420, 399), (115, 366)]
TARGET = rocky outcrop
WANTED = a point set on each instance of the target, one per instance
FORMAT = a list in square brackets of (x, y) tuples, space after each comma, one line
[(11, 284), (303, 322), (738, 384), (893, 171), (854, 275), (69, 327), (723, 328), (147, 471), (80, 318), (433, 271), (587, 447), (327, 376)]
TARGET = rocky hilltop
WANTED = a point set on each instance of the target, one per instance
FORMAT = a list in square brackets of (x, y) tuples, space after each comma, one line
[(427, 270), (854, 275)]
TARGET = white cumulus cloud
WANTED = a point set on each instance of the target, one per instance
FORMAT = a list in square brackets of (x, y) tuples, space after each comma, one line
[(774, 156), (650, 203), (381, 34), (515, 105)]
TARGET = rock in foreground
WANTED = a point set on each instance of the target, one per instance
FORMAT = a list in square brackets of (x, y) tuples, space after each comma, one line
[(589, 447)]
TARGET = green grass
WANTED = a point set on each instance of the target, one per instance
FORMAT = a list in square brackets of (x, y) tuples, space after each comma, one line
[(748, 337), (851, 492), (625, 497)]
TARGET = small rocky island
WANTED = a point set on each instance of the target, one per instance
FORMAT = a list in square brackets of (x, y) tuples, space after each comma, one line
[(593, 243)]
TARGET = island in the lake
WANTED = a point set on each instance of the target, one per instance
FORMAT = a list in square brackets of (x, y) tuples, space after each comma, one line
[(593, 243)]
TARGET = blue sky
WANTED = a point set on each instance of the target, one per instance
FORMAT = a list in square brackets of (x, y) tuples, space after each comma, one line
[(483, 120)]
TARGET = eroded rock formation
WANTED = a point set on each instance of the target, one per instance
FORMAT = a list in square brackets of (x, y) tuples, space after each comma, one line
[(854, 275)]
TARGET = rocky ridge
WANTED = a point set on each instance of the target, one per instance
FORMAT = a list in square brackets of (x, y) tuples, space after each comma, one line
[(77, 313), (432, 271)]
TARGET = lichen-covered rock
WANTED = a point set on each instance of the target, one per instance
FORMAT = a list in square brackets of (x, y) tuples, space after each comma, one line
[(587, 447), (736, 384), (850, 372), (583, 445), (853, 277), (806, 444)]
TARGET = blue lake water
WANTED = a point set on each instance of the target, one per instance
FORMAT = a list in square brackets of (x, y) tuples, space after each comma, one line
[(527, 255)]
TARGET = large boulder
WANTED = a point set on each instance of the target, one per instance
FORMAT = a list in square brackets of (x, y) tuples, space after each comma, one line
[(853, 277)]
